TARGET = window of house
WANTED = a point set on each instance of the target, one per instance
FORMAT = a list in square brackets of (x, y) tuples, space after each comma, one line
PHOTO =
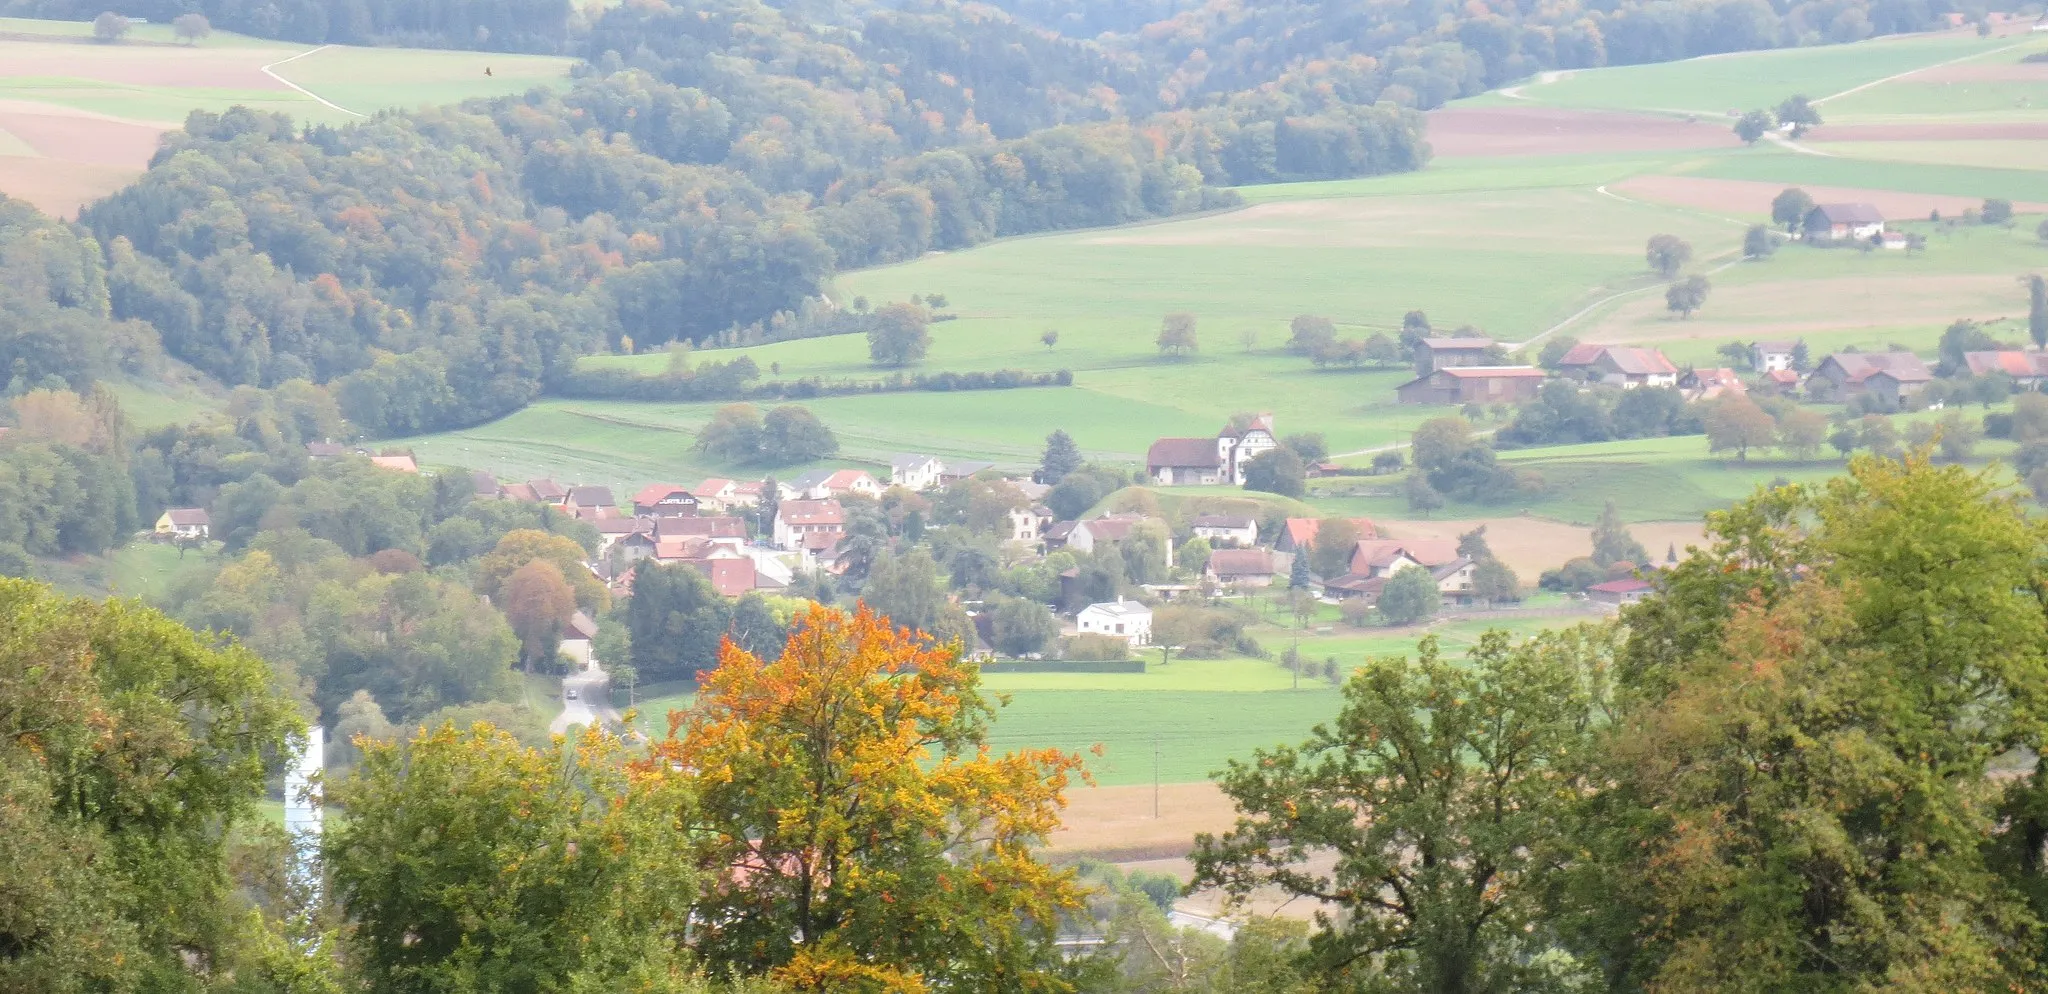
[(1119, 628)]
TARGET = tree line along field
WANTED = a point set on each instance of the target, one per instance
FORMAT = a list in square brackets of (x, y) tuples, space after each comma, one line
[(79, 119)]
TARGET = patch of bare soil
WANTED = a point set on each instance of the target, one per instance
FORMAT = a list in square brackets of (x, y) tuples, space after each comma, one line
[(57, 187), (1117, 823), (1741, 196), (58, 133), (1986, 72), (1931, 131), (169, 66), (1503, 131)]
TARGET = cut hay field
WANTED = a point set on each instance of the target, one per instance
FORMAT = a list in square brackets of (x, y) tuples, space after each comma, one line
[(78, 119)]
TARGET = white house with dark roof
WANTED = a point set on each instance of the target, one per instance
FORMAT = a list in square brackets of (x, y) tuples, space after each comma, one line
[(1221, 460), (1120, 618), (915, 472), (1225, 530), (1842, 222), (184, 523)]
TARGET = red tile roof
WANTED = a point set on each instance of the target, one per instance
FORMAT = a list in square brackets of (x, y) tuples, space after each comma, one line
[(2020, 365), (1582, 354), (1241, 562), (812, 512), (1625, 585), (1302, 531), (1640, 362), (655, 493)]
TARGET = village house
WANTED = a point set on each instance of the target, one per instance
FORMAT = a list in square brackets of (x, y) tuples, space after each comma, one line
[(577, 636), (1226, 530), (519, 492), (1454, 579), (325, 450), (795, 519), (1254, 567), (185, 523), (1707, 384), (960, 469), (1769, 357), (590, 503), (1783, 382), (1298, 534), (396, 464), (1890, 375), (546, 491), (1128, 620), (614, 530), (1443, 353), (1184, 462), (1473, 385), (485, 486), (823, 484), (1619, 365), (665, 500), (722, 528), (1842, 222), (2027, 369), (1211, 461), (1626, 590), (1027, 524), (1109, 529), (1381, 557), (716, 495), (915, 472)]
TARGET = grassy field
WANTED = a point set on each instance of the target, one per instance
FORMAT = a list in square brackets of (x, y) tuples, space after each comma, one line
[(79, 119), (1719, 85), (1793, 169)]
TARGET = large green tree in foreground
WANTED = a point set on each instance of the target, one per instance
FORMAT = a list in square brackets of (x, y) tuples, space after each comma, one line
[(1441, 789), (1805, 781), (130, 749)]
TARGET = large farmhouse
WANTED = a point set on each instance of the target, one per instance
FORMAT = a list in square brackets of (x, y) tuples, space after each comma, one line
[(1842, 222), (1891, 375), (1210, 461), (1473, 385)]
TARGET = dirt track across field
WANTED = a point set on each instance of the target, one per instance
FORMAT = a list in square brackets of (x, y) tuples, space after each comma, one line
[(1741, 196), (1503, 131)]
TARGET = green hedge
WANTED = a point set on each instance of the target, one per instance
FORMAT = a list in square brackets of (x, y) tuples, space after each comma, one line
[(1065, 666)]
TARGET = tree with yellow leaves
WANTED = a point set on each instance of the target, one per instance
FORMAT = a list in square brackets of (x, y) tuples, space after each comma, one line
[(858, 834)]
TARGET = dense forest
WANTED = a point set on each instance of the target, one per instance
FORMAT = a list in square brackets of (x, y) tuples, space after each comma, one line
[(716, 163)]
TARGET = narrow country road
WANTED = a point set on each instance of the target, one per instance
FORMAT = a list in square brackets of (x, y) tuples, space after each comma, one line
[(593, 699)]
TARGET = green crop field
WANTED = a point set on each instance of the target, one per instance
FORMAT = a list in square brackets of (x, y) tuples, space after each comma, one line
[(1717, 85), (1995, 154), (1794, 169)]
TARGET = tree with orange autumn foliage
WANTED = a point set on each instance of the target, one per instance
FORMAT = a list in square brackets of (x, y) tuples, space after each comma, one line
[(858, 833)]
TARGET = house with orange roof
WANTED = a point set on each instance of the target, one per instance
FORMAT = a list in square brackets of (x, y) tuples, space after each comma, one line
[(665, 500)]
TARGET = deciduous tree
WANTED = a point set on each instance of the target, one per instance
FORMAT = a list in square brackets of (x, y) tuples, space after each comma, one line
[(1790, 208), (856, 835), (1687, 295), (1410, 595), (1758, 242), (1442, 792), (1061, 457), (1733, 421), (1612, 542), (1754, 125), (1330, 554), (1276, 471), (1177, 334), (538, 603), (899, 334)]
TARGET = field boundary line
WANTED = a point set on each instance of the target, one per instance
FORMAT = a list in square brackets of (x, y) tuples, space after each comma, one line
[(271, 71), (1611, 298), (1897, 76)]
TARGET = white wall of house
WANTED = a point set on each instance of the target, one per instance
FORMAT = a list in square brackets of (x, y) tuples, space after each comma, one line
[(1119, 620)]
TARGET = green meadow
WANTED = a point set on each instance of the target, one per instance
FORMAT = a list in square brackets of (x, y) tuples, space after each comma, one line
[(1720, 84)]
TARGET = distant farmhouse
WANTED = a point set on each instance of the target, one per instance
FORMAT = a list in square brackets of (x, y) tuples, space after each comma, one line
[(1619, 365), (1891, 375), (1443, 353), (1128, 620), (1221, 460), (1473, 385), (2027, 369), (1842, 222)]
